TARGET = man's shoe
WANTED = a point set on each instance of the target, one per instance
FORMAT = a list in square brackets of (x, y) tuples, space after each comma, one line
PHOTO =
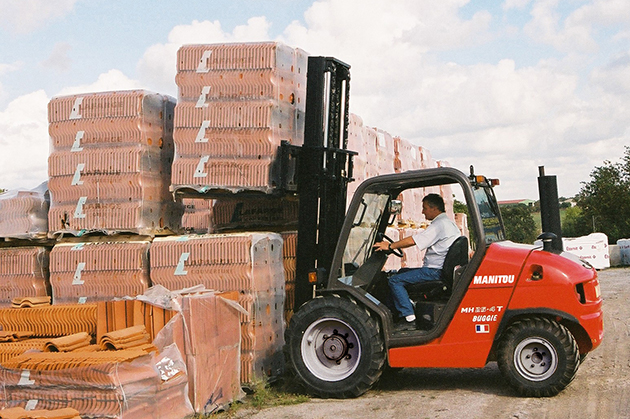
[(405, 326)]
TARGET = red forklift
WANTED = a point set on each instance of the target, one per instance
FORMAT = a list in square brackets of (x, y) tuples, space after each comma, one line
[(535, 310)]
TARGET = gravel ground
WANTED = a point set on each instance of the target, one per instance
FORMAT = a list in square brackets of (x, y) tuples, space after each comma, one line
[(601, 388)]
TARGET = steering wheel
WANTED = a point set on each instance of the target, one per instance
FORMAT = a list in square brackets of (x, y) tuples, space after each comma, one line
[(395, 252)]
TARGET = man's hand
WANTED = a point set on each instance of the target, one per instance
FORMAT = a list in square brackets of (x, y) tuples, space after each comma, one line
[(381, 246)]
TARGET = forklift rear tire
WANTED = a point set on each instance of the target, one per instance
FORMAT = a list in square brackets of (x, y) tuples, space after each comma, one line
[(539, 357), (334, 346)]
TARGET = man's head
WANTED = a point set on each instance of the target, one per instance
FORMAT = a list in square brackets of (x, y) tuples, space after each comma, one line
[(432, 206)]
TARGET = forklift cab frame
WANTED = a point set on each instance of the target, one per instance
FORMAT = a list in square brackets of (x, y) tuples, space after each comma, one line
[(359, 273)]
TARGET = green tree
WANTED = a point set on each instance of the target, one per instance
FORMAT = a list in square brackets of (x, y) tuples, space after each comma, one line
[(519, 223), (605, 199), (575, 223)]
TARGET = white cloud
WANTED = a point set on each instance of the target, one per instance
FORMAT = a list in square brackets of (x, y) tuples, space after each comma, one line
[(500, 117), (110, 81), (515, 4), (547, 27), (59, 59), (157, 67), (24, 142), (23, 16)]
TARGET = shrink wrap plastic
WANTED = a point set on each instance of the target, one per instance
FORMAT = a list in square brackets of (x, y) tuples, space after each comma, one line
[(110, 164), (592, 248), (24, 213), (23, 273), (248, 263), (110, 384), (624, 251)]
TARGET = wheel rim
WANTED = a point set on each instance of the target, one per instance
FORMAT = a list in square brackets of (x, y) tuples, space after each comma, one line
[(331, 349), (536, 359)]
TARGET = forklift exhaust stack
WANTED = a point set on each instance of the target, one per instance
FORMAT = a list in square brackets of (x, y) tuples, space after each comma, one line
[(549, 212)]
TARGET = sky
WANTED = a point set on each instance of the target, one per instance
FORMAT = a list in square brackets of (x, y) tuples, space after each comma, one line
[(506, 86)]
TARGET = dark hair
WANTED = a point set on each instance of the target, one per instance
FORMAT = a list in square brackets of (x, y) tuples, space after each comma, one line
[(434, 200)]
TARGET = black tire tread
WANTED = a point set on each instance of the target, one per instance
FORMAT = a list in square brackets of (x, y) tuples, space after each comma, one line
[(567, 348), (374, 348)]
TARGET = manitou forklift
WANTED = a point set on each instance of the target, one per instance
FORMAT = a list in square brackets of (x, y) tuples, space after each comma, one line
[(535, 310)]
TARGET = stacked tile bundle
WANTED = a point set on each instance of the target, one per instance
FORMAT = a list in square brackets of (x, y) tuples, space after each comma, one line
[(24, 213), (197, 216), (110, 163), (206, 331), (289, 252), (408, 157), (107, 384), (268, 213), (362, 140), (23, 273), (250, 263), (50, 321), (236, 104), (98, 271)]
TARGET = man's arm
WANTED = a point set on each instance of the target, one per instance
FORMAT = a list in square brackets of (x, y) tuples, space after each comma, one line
[(400, 244)]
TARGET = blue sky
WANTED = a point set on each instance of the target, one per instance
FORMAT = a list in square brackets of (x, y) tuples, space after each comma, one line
[(504, 85)]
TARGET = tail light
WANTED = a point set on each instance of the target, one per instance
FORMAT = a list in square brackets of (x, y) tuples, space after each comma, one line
[(589, 291)]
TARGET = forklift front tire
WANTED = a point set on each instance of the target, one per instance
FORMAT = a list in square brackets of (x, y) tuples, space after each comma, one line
[(539, 357), (334, 347)]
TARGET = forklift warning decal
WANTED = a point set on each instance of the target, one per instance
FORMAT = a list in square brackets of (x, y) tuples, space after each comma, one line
[(493, 279)]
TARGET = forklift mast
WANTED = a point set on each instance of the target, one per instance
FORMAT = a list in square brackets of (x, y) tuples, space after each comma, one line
[(324, 168)]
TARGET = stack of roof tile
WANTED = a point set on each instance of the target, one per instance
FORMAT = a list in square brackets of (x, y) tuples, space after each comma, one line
[(289, 252), (50, 321), (122, 314), (24, 213), (113, 384), (68, 343), (97, 271), (23, 273), (110, 163), (236, 103), (23, 302), (128, 337), (21, 413), (9, 350), (197, 216), (207, 334), (250, 263), (269, 213)]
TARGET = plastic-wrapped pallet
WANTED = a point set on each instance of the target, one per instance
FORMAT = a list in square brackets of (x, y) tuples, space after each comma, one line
[(236, 104), (393, 262), (98, 271), (250, 263), (112, 384), (624, 251), (197, 216), (23, 273), (206, 331), (362, 140), (592, 248), (255, 213), (384, 152), (110, 163), (24, 213), (413, 256), (289, 252)]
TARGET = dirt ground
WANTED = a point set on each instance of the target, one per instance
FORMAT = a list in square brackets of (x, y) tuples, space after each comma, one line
[(601, 388)]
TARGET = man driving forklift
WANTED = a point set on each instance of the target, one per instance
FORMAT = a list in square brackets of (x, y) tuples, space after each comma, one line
[(436, 239)]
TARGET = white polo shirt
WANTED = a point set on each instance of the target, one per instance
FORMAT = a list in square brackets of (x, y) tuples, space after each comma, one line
[(437, 238)]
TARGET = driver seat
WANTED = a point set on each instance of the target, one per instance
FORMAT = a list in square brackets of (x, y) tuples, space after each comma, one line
[(456, 258)]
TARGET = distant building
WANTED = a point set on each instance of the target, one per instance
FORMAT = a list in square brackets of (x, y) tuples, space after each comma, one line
[(528, 202)]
